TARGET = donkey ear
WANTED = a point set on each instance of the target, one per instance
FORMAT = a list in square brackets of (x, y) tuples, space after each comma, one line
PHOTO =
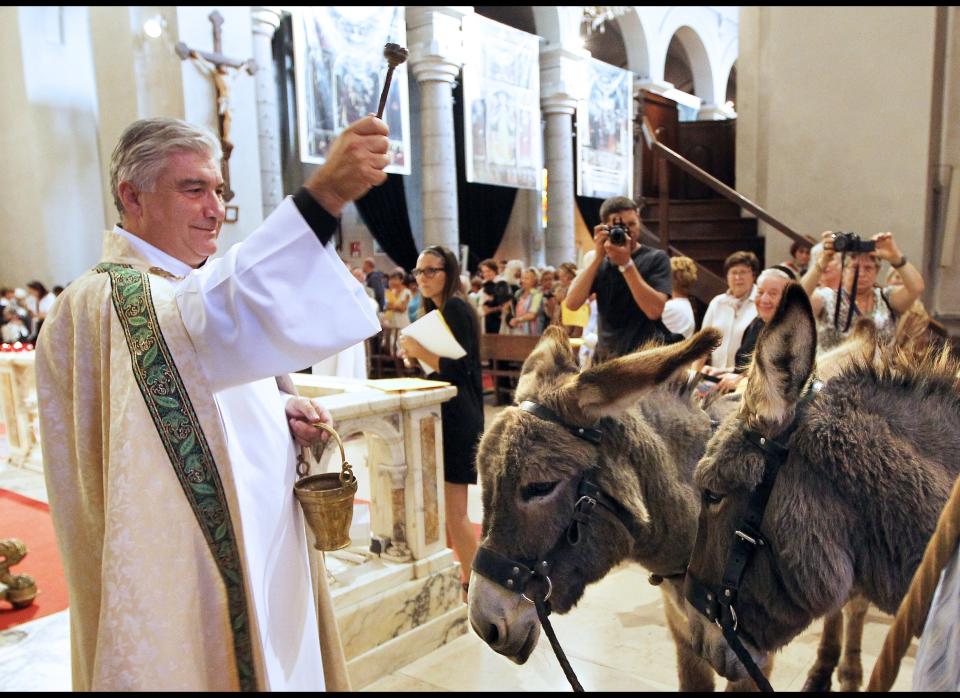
[(615, 385), (552, 357), (783, 360)]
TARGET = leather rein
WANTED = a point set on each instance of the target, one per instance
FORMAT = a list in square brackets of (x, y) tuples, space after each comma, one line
[(520, 575), (718, 604)]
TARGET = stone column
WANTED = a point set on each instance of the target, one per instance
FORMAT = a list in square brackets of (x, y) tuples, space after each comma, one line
[(558, 156), (436, 46), (562, 85), (265, 22)]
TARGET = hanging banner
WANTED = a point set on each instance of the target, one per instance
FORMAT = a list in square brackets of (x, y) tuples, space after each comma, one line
[(340, 69), (605, 133), (501, 104)]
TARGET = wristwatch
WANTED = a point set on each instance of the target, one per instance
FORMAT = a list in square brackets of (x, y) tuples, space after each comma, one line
[(623, 267), (903, 260)]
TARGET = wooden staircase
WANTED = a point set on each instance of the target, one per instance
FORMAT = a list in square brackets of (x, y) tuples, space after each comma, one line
[(707, 230), (688, 205)]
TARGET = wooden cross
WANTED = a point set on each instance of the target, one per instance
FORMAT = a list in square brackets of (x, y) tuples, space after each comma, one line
[(220, 64)]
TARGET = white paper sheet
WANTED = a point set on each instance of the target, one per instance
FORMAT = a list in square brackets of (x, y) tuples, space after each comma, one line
[(434, 334)]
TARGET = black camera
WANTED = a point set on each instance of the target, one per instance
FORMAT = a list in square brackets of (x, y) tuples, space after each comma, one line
[(851, 243), (498, 293), (618, 233)]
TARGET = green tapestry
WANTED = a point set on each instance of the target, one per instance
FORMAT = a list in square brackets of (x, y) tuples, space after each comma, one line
[(179, 429)]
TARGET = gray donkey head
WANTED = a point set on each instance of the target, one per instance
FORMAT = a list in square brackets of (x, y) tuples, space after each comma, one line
[(530, 469), (871, 460)]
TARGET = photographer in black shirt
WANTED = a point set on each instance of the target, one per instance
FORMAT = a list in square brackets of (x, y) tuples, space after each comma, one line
[(632, 283)]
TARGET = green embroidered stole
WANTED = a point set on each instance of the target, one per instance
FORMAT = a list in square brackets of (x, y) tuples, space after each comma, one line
[(179, 429)]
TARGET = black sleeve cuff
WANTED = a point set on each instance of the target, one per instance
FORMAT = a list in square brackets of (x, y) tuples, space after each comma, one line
[(317, 217)]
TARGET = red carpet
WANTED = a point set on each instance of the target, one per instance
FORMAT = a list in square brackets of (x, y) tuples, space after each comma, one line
[(29, 520)]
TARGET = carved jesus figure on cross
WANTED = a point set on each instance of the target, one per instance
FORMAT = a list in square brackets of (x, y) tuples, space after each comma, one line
[(216, 64)]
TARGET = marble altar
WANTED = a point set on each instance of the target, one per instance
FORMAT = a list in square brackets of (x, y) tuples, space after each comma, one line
[(403, 602)]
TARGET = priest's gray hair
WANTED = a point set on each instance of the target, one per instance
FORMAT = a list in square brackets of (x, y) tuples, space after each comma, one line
[(144, 147)]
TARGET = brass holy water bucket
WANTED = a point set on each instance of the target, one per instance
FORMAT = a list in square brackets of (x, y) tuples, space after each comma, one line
[(327, 499)]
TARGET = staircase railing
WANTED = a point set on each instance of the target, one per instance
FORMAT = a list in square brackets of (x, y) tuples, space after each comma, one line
[(668, 155), (707, 285)]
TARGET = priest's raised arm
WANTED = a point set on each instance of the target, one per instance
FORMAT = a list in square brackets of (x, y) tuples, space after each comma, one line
[(168, 449)]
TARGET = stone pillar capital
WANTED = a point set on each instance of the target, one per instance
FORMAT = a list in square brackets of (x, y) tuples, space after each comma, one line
[(563, 73), (435, 68), (435, 39), (558, 104), (266, 19)]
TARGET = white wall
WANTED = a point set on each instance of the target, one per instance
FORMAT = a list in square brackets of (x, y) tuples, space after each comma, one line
[(834, 119), (199, 104), (51, 209), (73, 79)]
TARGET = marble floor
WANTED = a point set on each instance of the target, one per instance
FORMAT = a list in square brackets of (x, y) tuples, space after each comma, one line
[(616, 640)]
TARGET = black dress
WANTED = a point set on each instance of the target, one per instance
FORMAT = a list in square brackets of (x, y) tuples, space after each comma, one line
[(462, 415), (744, 355)]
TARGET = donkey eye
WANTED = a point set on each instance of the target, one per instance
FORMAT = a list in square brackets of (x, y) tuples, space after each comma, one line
[(711, 497), (537, 489)]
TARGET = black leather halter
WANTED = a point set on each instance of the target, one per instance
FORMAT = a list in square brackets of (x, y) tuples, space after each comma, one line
[(718, 603), (517, 575)]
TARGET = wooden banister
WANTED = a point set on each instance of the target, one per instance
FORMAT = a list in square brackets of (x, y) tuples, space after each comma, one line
[(707, 285), (669, 155)]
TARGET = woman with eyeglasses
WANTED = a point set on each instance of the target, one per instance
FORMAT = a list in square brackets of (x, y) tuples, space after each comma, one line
[(883, 305), (438, 276)]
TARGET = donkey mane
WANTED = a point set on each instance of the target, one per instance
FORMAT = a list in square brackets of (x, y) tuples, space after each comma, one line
[(932, 370)]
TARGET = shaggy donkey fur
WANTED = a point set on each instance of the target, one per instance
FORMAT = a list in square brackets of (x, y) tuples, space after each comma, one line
[(530, 467), (871, 464)]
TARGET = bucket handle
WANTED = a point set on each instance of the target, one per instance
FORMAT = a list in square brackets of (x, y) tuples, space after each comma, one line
[(346, 470)]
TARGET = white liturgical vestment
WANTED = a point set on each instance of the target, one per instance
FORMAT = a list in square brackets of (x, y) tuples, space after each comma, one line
[(272, 304)]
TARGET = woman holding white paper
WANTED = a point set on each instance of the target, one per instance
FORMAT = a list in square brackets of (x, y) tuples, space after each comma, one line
[(438, 275)]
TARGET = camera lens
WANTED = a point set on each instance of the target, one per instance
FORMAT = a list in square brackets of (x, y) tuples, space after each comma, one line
[(618, 236)]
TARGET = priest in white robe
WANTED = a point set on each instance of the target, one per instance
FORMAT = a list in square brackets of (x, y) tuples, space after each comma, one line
[(167, 436)]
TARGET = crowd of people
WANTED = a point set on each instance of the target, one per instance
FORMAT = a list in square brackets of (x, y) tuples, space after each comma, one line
[(626, 294), (23, 310)]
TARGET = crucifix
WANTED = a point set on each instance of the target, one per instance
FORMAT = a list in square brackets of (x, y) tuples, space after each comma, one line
[(216, 65)]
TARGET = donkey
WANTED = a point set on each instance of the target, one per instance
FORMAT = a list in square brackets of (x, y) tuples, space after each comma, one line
[(531, 468), (870, 461)]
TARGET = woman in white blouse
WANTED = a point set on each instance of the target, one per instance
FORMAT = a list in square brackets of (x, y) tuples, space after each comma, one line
[(732, 311)]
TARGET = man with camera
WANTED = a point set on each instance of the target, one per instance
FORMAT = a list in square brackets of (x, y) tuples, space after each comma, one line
[(859, 295), (632, 283)]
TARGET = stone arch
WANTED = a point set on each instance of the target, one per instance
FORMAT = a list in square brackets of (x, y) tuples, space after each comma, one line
[(703, 86), (635, 40), (608, 44), (379, 427), (725, 67), (558, 24), (695, 28)]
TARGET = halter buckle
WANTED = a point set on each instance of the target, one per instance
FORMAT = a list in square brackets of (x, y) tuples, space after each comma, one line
[(545, 598), (749, 539), (585, 505), (733, 614)]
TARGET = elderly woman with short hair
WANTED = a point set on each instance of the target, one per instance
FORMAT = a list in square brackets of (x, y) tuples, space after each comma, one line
[(883, 305), (731, 311)]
